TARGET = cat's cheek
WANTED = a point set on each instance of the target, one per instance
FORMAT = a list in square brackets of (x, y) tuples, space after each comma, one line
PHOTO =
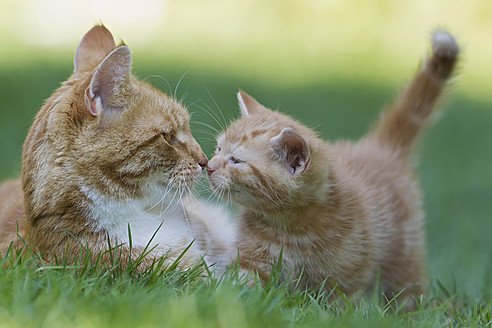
[(188, 174)]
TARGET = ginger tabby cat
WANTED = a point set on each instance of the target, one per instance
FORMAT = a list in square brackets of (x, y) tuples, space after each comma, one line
[(108, 152), (340, 212)]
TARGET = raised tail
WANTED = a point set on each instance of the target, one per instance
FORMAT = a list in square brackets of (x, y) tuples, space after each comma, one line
[(401, 123)]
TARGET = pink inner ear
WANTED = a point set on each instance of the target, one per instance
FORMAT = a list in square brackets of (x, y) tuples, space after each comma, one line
[(293, 149), (291, 170), (306, 165), (92, 102)]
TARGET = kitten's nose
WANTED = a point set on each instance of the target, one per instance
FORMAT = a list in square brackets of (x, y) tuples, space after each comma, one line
[(203, 163), (210, 170)]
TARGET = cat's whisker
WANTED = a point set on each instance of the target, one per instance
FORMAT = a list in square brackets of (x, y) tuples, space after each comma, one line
[(162, 78), (179, 82), (193, 104), (208, 110), (222, 127), (217, 105), (170, 204), (186, 94), (207, 139), (217, 131), (166, 191), (117, 188), (186, 216)]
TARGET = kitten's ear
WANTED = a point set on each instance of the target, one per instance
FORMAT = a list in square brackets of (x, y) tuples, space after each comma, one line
[(293, 149), (93, 48), (110, 82), (248, 104)]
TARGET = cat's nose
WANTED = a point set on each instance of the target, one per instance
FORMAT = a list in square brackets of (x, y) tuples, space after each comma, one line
[(210, 170), (203, 163)]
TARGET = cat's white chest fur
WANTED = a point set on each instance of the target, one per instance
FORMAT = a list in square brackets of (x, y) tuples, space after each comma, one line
[(148, 226)]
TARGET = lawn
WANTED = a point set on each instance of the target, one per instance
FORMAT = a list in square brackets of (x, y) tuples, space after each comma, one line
[(454, 159)]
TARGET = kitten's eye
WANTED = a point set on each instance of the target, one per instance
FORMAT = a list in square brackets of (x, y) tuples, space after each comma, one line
[(234, 160), (217, 149)]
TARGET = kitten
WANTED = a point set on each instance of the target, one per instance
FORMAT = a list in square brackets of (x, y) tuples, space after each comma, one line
[(105, 154), (340, 212)]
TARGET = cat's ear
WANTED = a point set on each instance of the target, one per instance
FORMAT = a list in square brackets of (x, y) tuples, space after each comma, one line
[(93, 48), (293, 149), (248, 105), (109, 84)]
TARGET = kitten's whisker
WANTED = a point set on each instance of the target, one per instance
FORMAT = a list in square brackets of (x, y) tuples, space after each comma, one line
[(229, 201)]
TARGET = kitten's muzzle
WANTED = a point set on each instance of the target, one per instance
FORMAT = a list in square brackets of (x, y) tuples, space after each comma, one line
[(203, 163), (210, 170)]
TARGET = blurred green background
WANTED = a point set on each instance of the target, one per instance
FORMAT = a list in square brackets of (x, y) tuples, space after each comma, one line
[(332, 64)]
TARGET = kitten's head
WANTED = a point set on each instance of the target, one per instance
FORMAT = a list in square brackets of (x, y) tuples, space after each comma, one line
[(264, 160), (106, 131)]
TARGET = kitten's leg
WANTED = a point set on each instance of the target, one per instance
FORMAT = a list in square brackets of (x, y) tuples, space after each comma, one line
[(407, 278), (214, 232), (401, 123)]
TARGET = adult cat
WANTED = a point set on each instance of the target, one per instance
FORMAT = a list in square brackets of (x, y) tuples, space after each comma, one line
[(340, 212), (106, 154)]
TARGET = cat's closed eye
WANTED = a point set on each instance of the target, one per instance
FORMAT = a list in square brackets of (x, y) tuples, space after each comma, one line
[(170, 138)]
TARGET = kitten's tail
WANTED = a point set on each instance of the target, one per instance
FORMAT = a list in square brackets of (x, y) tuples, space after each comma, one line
[(400, 124)]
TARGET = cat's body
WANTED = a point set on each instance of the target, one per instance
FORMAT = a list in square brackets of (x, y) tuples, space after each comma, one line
[(11, 212), (341, 213), (106, 154)]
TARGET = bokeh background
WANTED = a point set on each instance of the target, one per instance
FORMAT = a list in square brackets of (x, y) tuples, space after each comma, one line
[(332, 64)]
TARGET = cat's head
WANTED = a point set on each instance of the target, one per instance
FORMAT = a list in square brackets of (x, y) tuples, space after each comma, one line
[(106, 131), (264, 160)]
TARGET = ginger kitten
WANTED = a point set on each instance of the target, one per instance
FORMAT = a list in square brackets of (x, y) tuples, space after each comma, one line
[(340, 212), (105, 154)]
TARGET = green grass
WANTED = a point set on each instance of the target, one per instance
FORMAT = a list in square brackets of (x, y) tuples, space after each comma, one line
[(34, 294), (455, 160)]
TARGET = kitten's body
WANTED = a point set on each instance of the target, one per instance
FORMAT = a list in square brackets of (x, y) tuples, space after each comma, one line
[(106, 154), (338, 212)]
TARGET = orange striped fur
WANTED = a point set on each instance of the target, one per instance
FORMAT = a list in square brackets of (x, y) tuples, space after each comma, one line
[(343, 211), (100, 158)]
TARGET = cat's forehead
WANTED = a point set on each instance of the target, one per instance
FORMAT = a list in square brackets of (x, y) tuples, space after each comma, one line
[(162, 110)]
